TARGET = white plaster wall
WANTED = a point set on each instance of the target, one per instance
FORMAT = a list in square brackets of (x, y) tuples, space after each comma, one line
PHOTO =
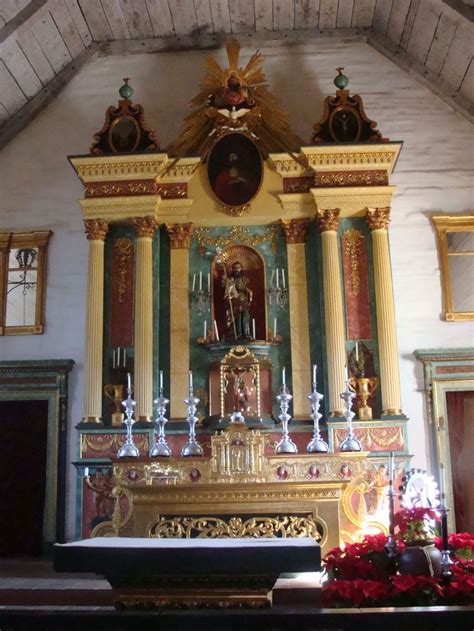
[(39, 189)]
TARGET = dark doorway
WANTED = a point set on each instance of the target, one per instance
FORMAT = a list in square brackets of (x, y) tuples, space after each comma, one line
[(24, 433), (460, 406)]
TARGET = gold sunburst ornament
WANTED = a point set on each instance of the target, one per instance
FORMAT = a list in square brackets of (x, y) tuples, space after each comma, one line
[(235, 99)]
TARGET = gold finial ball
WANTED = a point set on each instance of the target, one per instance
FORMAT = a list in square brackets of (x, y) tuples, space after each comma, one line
[(341, 81)]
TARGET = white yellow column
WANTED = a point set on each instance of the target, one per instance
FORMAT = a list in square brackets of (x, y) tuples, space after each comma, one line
[(143, 318), (96, 230), (295, 233), (328, 221), (378, 220), (180, 240)]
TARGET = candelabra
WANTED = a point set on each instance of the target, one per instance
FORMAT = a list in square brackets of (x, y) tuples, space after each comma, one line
[(446, 561), (277, 294), (350, 443), (192, 447), (200, 298), (316, 444), (160, 444), (129, 449), (286, 445), (391, 545)]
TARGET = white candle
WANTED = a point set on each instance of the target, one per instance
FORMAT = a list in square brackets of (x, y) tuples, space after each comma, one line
[(283, 278), (272, 279), (253, 328), (278, 282), (124, 357), (391, 468), (190, 379), (129, 381), (200, 281), (357, 351), (194, 282), (216, 330), (314, 374), (205, 329), (274, 327), (441, 481), (208, 282), (161, 380), (118, 356), (283, 376), (86, 472)]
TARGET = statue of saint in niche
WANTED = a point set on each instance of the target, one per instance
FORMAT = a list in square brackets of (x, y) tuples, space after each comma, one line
[(238, 299)]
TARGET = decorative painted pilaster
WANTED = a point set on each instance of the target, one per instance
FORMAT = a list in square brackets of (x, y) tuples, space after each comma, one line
[(295, 233), (143, 321), (180, 240), (378, 220), (328, 221), (96, 230)]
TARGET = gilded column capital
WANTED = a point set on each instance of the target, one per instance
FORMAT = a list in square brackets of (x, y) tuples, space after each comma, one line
[(145, 226), (378, 218), (96, 229), (180, 235), (328, 220), (295, 229)]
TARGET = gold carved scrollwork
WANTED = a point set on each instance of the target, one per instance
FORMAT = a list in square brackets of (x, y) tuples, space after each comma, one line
[(123, 253), (378, 218), (328, 219), (352, 178), (180, 235), (96, 229), (215, 527), (237, 234), (353, 240), (295, 229), (145, 226), (235, 211)]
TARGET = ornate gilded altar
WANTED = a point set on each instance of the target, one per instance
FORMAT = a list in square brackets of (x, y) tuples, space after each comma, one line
[(238, 253)]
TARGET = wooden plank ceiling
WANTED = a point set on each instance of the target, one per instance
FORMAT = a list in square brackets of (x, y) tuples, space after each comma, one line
[(44, 42)]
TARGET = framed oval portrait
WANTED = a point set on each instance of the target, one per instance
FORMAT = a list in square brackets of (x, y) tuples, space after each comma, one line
[(235, 169), (124, 134)]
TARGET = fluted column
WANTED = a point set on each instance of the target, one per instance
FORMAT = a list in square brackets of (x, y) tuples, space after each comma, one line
[(143, 318), (328, 221), (180, 239), (378, 220), (96, 230), (295, 233)]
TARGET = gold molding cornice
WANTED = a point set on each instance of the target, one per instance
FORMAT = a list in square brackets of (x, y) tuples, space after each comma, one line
[(353, 201), (145, 226), (181, 171), (453, 223), (112, 168), (96, 229), (328, 220), (180, 235), (378, 218), (174, 210), (119, 208), (297, 205), (295, 229)]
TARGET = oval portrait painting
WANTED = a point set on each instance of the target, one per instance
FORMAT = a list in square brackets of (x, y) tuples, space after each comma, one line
[(124, 134), (235, 170)]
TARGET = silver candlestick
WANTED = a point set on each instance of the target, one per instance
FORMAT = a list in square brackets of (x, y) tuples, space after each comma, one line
[(350, 443), (192, 447), (316, 444), (286, 445), (160, 444), (129, 449)]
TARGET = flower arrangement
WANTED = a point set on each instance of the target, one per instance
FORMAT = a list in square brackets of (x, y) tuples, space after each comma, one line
[(362, 575), (416, 524)]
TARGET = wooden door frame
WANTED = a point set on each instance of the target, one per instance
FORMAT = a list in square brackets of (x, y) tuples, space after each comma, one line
[(39, 380)]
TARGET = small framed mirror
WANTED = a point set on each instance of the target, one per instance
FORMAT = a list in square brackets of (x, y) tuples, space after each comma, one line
[(456, 255)]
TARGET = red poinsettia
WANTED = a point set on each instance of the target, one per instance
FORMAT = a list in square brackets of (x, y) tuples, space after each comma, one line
[(366, 560), (415, 524), (356, 593), (461, 543), (408, 591)]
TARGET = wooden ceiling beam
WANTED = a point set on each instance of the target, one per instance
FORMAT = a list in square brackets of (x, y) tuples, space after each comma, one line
[(20, 18)]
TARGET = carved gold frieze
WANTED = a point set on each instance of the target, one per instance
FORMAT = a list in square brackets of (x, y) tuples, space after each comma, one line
[(235, 211), (108, 444), (215, 527), (237, 234), (97, 169), (295, 229), (328, 219), (180, 235), (118, 207), (353, 243), (351, 158), (378, 218), (352, 178), (111, 189), (170, 190), (145, 227), (96, 229)]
